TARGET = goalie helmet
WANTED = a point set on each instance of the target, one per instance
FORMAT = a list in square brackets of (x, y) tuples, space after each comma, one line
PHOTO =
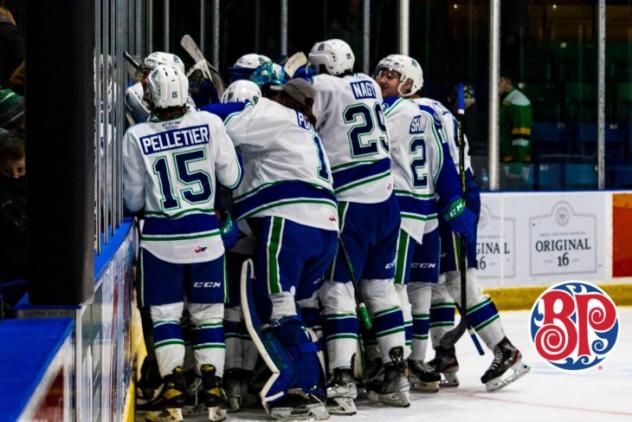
[(334, 54), (158, 57), (242, 91), (168, 86), (246, 64), (268, 74), (408, 69)]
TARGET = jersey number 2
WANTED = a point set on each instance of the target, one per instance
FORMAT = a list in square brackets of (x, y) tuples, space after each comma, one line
[(200, 181), (417, 166)]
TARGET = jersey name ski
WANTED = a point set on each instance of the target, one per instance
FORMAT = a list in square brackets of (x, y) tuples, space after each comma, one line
[(450, 127), (351, 123), (407, 132), (286, 170), (170, 170)]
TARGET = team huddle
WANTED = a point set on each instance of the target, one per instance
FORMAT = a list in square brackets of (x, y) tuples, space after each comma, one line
[(302, 236)]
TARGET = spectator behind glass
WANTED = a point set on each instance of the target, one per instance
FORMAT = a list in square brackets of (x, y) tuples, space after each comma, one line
[(516, 120), (11, 110), (11, 52), (13, 220)]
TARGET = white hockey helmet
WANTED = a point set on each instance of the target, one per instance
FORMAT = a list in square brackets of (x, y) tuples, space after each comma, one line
[(408, 69), (251, 61), (158, 57), (168, 86), (246, 65), (334, 54), (241, 91)]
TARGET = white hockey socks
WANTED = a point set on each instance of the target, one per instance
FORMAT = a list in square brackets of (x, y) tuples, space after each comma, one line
[(481, 311), (168, 341), (419, 294), (208, 335), (441, 312)]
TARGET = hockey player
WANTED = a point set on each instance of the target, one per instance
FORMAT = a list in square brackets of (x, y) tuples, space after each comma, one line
[(171, 164), (241, 353), (286, 197), (425, 185), (507, 365), (246, 65), (136, 101), (351, 123)]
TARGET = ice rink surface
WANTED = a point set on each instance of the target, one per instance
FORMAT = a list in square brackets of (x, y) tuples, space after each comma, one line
[(544, 394)]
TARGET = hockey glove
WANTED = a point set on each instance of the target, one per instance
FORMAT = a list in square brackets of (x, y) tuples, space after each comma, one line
[(461, 220)]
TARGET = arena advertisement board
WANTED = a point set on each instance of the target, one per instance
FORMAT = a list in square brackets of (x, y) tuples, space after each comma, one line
[(540, 238)]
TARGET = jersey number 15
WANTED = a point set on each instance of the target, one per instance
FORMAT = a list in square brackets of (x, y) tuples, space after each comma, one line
[(197, 183)]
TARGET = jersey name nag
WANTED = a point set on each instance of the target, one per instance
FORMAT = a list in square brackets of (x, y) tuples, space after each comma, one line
[(362, 90)]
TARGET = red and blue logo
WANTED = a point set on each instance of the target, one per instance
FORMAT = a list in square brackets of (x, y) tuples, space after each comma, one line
[(574, 325)]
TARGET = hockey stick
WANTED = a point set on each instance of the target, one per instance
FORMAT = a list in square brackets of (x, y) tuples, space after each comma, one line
[(211, 72), (295, 61), (451, 337), (131, 61), (363, 312)]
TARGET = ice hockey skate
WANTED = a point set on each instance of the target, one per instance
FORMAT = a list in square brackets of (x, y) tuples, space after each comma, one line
[(447, 365), (212, 394), (236, 387), (341, 393), (391, 387), (298, 406), (506, 367), (423, 377)]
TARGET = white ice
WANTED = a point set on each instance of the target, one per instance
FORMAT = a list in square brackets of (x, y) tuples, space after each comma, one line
[(544, 394)]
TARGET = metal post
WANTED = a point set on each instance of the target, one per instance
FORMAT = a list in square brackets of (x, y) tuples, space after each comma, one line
[(61, 195), (284, 18), (215, 58), (366, 35), (150, 26), (601, 96), (165, 25), (403, 33), (138, 36), (203, 27), (494, 103)]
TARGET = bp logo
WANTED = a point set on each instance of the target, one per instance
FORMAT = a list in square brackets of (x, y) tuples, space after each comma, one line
[(574, 325)]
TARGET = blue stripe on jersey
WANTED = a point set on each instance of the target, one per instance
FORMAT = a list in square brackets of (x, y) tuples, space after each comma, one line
[(435, 117), (448, 182), (419, 206), (189, 224), (224, 110), (283, 193), (360, 172)]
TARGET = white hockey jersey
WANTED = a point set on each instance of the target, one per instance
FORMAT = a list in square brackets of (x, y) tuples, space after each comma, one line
[(351, 123), (286, 171), (450, 127), (443, 181), (170, 170), (407, 130)]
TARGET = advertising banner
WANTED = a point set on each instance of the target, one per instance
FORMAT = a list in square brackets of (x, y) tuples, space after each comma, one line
[(540, 238)]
